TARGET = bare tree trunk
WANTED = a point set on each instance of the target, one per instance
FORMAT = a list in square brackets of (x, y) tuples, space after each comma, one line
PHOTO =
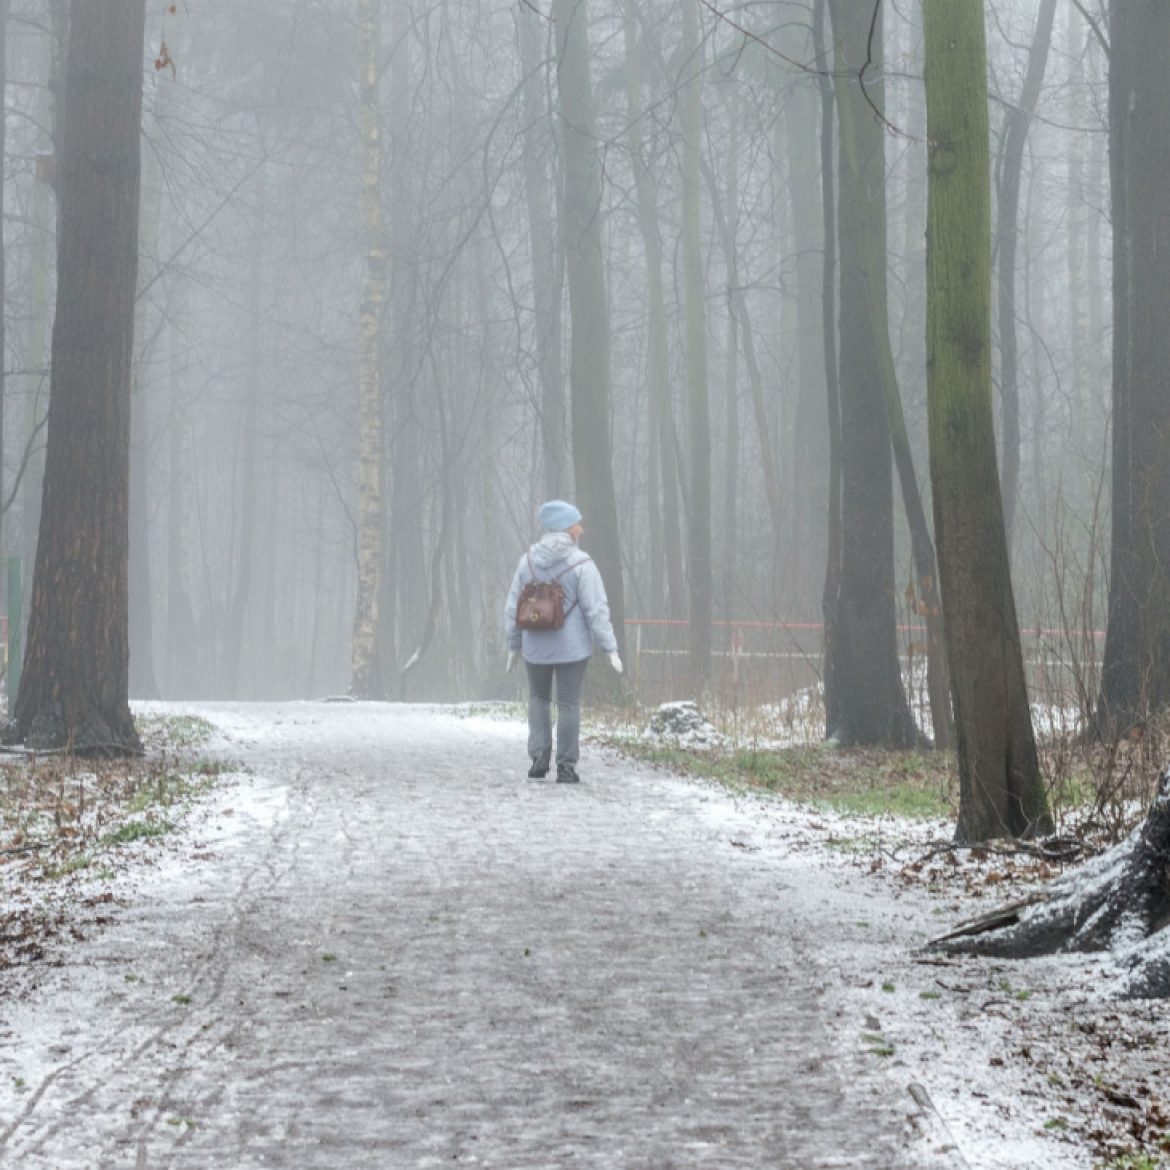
[(810, 474), (367, 681), (831, 593), (737, 305), (141, 594), (589, 354), (547, 262), (925, 588), (731, 438), (3, 258), (867, 701), (1136, 672), (698, 406), (240, 587), (1001, 792), (36, 388), (1017, 121), (75, 680), (661, 411)]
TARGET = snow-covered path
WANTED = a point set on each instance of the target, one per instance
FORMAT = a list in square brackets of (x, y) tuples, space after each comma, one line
[(388, 948)]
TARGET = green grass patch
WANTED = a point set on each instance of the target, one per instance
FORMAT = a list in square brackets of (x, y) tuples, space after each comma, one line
[(137, 831), (1136, 1160), (174, 732), (852, 781), (74, 864), (902, 800)]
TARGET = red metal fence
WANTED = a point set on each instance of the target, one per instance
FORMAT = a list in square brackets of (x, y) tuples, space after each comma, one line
[(758, 662)]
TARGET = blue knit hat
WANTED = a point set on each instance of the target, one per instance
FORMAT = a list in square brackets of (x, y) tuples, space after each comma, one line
[(558, 516)]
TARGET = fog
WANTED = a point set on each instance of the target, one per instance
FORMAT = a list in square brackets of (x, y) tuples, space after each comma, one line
[(264, 237)]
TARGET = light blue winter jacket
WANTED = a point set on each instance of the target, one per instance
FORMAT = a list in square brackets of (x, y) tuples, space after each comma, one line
[(587, 622)]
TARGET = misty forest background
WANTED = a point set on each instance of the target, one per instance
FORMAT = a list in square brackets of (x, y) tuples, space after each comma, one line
[(711, 141)]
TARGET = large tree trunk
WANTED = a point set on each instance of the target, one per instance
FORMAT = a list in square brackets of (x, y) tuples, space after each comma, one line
[(866, 703), (1136, 672), (1001, 793), (74, 688), (589, 354), (925, 590), (3, 260)]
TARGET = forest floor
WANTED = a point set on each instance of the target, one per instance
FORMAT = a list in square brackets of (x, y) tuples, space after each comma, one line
[(356, 935)]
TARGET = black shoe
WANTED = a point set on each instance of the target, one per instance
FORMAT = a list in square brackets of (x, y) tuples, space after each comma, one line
[(539, 767), (567, 774)]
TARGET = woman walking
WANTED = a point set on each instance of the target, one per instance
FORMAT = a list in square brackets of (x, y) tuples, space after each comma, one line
[(559, 653)]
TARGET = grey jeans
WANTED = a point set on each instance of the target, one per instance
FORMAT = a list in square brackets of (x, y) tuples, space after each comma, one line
[(569, 677)]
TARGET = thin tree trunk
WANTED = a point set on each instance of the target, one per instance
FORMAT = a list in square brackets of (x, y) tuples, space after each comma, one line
[(183, 647), (660, 406), (36, 389), (589, 354), (731, 438), (547, 263), (830, 595), (1017, 121), (737, 305), (810, 476), (240, 595), (367, 681), (698, 405)]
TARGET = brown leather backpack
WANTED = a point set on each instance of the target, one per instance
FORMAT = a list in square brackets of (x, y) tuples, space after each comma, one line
[(541, 605)]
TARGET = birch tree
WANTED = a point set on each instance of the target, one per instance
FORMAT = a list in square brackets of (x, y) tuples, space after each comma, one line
[(367, 678)]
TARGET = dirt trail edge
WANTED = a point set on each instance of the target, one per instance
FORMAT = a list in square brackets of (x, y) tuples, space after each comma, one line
[(385, 947)]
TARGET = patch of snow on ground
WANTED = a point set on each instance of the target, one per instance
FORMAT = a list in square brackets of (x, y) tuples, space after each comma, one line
[(322, 918)]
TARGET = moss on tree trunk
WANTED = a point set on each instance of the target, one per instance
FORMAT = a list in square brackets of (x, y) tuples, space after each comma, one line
[(1001, 793)]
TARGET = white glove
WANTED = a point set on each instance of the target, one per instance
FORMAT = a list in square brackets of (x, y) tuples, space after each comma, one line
[(616, 663), (512, 656)]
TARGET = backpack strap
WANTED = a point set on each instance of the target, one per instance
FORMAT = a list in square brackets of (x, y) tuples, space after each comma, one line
[(558, 576), (575, 565)]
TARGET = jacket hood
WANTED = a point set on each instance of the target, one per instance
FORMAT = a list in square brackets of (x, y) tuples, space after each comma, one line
[(552, 549)]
